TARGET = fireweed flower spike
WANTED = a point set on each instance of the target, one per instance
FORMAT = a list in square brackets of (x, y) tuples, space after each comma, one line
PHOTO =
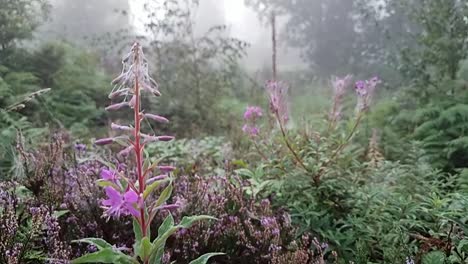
[(129, 195), (365, 91), (339, 90), (278, 95)]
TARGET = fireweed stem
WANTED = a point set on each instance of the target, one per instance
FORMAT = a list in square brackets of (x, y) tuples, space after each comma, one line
[(138, 147), (286, 141), (339, 149)]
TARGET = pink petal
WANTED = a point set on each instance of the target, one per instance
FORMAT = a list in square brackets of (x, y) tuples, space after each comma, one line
[(114, 196), (131, 196), (107, 174)]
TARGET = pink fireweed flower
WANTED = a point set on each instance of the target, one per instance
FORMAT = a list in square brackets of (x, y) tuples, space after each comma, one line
[(278, 95), (104, 141), (157, 118), (119, 204), (129, 86), (339, 90), (117, 106), (251, 130), (251, 116), (108, 175), (365, 91), (253, 112)]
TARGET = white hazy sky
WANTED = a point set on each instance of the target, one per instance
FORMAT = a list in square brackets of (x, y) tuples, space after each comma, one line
[(235, 12), (243, 24)]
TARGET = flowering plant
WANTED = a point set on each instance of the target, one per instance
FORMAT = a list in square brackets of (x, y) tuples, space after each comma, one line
[(131, 194)]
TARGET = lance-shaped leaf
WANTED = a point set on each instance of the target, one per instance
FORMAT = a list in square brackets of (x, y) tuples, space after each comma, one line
[(165, 194), (164, 231), (106, 255), (150, 188), (203, 259), (188, 221), (98, 242)]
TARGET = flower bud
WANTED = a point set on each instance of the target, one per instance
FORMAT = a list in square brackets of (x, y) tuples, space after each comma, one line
[(104, 141), (166, 168), (120, 127), (117, 106), (157, 118), (157, 178)]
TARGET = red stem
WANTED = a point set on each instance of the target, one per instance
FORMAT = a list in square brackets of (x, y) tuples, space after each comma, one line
[(139, 148)]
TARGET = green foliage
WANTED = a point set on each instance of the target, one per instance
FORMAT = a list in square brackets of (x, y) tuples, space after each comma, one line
[(195, 71), (145, 249), (18, 20), (438, 128), (202, 155), (369, 211)]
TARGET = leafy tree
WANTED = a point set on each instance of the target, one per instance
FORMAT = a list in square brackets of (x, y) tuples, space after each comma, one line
[(196, 71), (19, 18), (325, 30)]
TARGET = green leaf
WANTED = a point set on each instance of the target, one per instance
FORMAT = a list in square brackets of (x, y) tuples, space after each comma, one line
[(150, 188), (145, 248), (104, 183), (204, 258), (164, 196), (107, 255), (58, 214), (166, 229), (160, 241), (434, 257), (166, 225), (98, 242), (188, 221), (462, 246), (137, 230), (245, 172)]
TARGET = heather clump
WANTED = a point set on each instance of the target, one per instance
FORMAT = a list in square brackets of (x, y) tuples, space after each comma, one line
[(30, 232), (247, 230)]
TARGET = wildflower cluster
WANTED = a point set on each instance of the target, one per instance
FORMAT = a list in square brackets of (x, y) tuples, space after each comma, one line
[(251, 116), (365, 91)]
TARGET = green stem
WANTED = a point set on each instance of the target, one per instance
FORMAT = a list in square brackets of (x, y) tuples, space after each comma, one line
[(286, 141), (339, 149)]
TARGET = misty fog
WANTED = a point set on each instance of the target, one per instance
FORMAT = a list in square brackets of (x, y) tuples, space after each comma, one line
[(78, 20), (233, 131)]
